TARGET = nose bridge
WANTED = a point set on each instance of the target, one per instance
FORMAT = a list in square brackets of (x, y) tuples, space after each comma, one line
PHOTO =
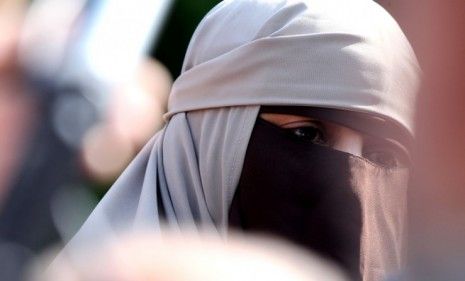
[(349, 141)]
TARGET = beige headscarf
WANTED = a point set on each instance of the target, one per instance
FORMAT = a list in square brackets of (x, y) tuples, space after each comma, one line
[(342, 54)]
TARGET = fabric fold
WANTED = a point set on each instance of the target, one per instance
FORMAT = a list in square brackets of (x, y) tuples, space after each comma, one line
[(336, 54)]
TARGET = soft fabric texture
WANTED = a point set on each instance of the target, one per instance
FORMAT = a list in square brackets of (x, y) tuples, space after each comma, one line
[(342, 54), (325, 53), (300, 191), (343, 207)]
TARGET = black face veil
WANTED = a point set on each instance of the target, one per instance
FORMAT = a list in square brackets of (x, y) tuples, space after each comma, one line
[(338, 54), (341, 206)]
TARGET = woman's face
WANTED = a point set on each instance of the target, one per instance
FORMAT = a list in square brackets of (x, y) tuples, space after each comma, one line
[(297, 184), (341, 138)]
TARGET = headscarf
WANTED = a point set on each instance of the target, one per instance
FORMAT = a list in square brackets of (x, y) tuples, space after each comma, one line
[(340, 54)]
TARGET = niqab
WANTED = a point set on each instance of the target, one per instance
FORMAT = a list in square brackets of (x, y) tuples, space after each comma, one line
[(341, 54)]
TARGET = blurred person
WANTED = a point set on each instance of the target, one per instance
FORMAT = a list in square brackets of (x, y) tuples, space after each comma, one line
[(189, 257), (17, 115), (437, 198), (292, 118), (37, 166), (16, 107), (436, 30), (110, 145)]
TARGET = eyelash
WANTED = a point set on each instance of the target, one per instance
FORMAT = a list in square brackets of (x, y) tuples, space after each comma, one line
[(395, 158), (310, 132), (388, 157)]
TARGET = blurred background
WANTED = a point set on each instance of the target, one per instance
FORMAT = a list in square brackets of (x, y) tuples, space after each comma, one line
[(84, 85)]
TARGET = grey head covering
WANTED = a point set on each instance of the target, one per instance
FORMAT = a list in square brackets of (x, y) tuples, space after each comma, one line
[(341, 54)]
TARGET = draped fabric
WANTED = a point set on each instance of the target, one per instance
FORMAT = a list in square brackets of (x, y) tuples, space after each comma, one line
[(346, 208), (341, 54)]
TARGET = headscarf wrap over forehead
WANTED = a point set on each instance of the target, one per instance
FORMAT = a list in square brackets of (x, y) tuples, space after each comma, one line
[(348, 55), (339, 54)]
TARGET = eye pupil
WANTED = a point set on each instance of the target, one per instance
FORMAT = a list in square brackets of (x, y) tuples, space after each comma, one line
[(311, 134)]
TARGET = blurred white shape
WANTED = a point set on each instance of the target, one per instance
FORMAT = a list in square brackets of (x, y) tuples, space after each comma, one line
[(47, 30), (138, 114), (134, 114), (138, 107), (194, 257), (120, 35), (156, 79), (106, 153)]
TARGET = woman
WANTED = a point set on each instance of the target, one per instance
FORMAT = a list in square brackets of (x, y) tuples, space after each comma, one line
[(335, 82)]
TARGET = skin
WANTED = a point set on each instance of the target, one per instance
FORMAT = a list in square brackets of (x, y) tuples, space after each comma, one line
[(340, 138)]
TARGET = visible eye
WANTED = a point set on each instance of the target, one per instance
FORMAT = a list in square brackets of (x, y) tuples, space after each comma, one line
[(299, 127), (390, 155), (311, 133), (383, 158)]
